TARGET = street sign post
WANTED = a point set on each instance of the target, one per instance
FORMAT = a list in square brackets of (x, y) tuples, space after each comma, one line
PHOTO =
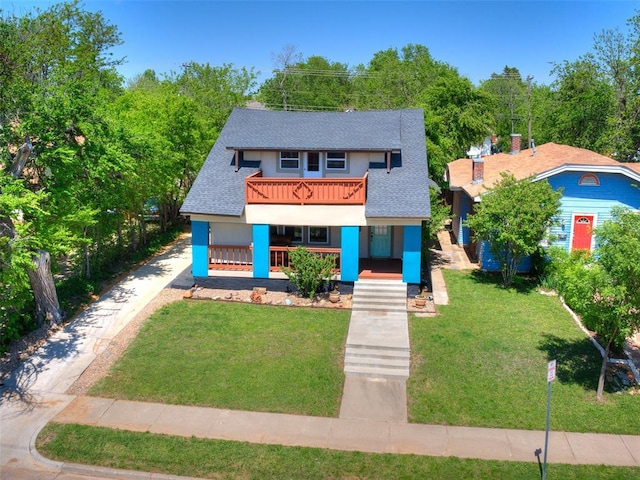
[(551, 376)]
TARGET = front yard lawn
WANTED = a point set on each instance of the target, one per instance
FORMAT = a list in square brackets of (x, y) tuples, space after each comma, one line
[(483, 362), (236, 356)]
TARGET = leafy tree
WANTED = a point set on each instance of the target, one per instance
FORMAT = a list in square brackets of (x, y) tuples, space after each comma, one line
[(615, 308), (511, 103), (604, 288), (394, 79), (597, 101), (440, 213), (513, 217), (309, 270), (56, 73), (313, 84), (584, 101), (456, 117)]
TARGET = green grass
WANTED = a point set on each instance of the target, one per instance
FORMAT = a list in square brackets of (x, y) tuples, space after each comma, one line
[(236, 356), (483, 362), (238, 460)]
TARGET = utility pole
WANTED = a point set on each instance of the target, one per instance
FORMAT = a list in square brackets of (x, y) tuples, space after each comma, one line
[(529, 78)]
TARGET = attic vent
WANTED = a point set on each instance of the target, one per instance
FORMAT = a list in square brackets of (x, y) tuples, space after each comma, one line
[(589, 180)]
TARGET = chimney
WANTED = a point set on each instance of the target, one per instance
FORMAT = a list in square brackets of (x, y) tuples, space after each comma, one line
[(515, 143), (478, 169)]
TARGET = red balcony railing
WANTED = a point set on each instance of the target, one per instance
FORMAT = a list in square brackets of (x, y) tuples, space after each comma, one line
[(305, 191)]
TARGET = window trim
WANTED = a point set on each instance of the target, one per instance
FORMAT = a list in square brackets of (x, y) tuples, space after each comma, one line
[(333, 169), (312, 242), (281, 158), (282, 230)]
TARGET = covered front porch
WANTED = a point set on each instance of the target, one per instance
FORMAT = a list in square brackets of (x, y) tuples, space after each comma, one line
[(229, 258), (259, 257)]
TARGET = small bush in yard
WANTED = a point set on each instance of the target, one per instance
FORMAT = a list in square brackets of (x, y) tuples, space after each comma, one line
[(309, 270)]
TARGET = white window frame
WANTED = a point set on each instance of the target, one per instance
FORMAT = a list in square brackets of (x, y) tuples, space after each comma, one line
[(312, 242), (342, 157), (285, 158)]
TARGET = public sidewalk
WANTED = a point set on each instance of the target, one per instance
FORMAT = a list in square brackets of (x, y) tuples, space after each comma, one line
[(353, 434)]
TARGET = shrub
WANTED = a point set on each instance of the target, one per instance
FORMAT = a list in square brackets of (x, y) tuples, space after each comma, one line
[(309, 270)]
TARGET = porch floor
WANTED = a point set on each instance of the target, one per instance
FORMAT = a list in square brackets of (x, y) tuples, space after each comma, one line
[(381, 268)]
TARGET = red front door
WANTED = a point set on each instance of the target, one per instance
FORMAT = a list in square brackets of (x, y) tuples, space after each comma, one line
[(582, 232)]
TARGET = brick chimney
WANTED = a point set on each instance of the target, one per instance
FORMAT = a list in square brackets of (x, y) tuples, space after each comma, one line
[(515, 143), (478, 169)]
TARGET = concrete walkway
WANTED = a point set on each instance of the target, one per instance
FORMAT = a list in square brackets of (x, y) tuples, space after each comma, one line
[(35, 394)]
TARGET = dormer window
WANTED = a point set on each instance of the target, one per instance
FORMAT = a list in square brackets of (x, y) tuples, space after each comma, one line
[(589, 180), (289, 160), (336, 160)]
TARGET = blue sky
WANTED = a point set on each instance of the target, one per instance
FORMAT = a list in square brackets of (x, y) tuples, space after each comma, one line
[(476, 37)]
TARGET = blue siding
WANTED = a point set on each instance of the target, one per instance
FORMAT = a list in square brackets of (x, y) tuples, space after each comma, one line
[(349, 244), (411, 247), (489, 262), (199, 249), (466, 209), (614, 191), (261, 251), (464, 233)]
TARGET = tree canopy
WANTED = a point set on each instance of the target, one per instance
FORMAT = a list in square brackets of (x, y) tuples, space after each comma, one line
[(514, 217), (604, 288)]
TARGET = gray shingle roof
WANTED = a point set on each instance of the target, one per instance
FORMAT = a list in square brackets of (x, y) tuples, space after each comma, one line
[(219, 189)]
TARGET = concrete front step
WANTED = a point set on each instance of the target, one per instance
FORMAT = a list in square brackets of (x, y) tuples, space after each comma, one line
[(375, 361), (393, 363), (377, 352), (378, 339), (380, 295), (378, 304), (377, 372)]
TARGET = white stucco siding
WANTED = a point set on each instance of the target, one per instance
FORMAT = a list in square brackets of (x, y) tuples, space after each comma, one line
[(314, 215), (230, 234), (357, 165)]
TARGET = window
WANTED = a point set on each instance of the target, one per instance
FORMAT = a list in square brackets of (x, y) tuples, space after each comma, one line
[(289, 160), (295, 233), (285, 234), (336, 160), (319, 235), (589, 180)]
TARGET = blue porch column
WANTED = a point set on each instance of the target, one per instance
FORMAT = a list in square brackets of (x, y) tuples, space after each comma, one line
[(260, 251), (350, 246), (411, 247), (199, 248)]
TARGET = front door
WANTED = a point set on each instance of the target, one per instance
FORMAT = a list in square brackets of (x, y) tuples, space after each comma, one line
[(582, 232), (312, 167), (380, 241)]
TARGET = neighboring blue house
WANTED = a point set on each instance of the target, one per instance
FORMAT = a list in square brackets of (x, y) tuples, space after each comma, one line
[(592, 185), (354, 184)]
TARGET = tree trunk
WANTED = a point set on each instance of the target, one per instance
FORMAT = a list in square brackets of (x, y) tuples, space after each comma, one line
[(603, 371), (44, 290), (40, 277)]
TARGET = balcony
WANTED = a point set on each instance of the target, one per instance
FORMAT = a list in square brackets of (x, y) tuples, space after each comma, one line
[(305, 191)]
